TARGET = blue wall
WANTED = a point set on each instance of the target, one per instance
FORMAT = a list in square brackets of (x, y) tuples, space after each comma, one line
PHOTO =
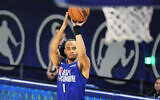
[(30, 24)]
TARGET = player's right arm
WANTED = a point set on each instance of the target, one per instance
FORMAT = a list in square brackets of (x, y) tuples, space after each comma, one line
[(51, 75), (55, 55)]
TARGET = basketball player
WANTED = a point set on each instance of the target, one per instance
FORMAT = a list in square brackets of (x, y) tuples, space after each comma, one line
[(73, 71)]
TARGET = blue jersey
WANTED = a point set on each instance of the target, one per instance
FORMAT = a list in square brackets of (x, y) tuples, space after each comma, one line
[(70, 82)]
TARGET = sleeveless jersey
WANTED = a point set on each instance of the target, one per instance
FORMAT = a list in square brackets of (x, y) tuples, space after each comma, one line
[(70, 82)]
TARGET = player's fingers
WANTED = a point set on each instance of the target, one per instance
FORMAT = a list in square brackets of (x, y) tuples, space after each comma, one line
[(66, 16), (73, 22), (81, 23)]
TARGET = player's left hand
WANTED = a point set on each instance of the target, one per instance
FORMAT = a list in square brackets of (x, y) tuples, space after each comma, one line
[(77, 23)]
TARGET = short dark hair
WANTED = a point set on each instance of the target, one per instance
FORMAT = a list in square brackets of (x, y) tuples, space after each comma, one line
[(68, 40)]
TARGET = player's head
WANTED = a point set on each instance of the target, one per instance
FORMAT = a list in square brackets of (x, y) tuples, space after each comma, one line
[(71, 50), (157, 84), (4, 23)]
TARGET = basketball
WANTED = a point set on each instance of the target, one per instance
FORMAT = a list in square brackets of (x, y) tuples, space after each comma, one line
[(79, 14)]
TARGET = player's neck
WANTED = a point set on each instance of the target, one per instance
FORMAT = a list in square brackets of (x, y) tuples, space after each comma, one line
[(71, 61)]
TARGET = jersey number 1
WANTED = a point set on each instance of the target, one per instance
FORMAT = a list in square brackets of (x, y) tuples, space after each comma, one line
[(64, 88)]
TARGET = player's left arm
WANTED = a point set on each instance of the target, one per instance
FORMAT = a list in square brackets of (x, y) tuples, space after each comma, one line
[(84, 62)]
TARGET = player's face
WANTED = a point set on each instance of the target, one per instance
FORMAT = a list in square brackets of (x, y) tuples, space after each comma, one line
[(71, 50), (157, 85)]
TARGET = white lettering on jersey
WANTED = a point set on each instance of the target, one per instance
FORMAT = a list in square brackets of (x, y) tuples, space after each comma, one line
[(65, 76)]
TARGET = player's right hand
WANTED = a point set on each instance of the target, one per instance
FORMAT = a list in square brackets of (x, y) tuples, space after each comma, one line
[(51, 75)]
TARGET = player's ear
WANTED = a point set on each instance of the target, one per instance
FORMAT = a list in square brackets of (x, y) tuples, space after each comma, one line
[(65, 51)]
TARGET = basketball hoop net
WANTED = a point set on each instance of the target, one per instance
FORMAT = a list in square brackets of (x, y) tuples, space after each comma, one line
[(128, 23)]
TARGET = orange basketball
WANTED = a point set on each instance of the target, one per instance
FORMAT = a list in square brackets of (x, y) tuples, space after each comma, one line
[(78, 14)]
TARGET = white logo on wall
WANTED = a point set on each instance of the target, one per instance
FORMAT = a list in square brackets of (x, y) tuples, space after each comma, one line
[(155, 49), (50, 18), (7, 34), (115, 52)]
